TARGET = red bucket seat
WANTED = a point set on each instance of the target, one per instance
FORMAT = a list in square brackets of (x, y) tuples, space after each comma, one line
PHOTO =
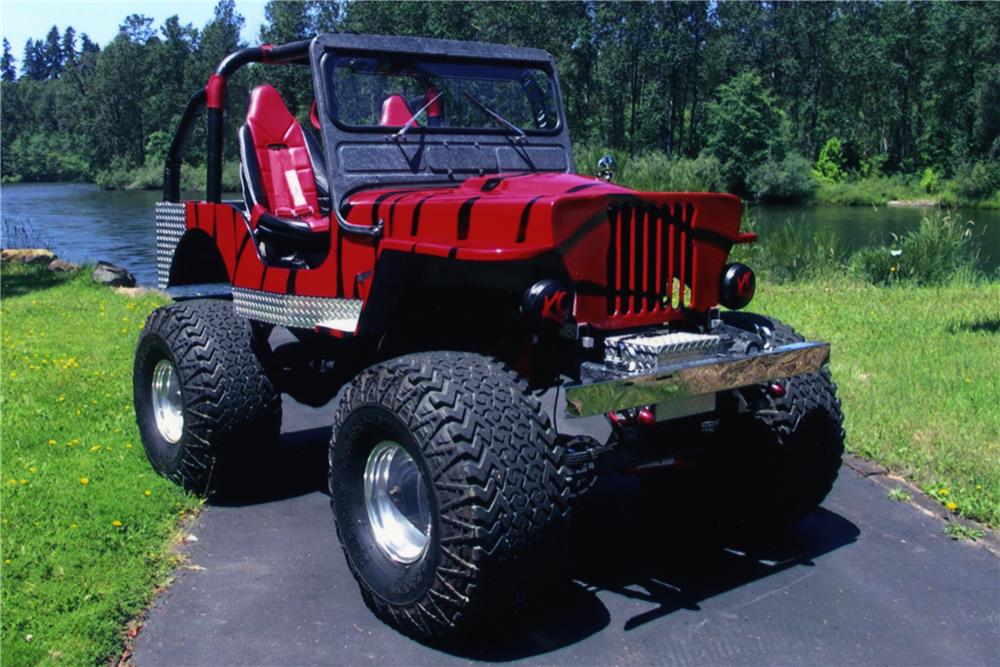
[(283, 170)]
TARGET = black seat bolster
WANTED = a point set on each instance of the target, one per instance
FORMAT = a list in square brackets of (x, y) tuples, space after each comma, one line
[(319, 170), (272, 228), (253, 185)]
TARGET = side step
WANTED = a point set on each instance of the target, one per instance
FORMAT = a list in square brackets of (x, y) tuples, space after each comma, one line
[(298, 312)]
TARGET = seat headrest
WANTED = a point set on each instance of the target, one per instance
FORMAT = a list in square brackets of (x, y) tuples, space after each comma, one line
[(395, 112), (268, 117)]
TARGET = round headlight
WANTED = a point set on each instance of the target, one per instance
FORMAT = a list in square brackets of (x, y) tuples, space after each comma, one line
[(548, 300), (738, 285)]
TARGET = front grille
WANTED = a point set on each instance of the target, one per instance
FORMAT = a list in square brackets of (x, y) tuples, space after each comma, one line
[(650, 257)]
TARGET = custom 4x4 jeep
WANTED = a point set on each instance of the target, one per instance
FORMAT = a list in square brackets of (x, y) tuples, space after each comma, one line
[(498, 328)]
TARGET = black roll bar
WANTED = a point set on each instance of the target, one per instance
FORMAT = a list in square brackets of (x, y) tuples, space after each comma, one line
[(213, 97), (172, 168)]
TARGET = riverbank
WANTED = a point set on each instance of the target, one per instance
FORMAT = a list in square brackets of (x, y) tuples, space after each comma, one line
[(903, 190), (88, 527)]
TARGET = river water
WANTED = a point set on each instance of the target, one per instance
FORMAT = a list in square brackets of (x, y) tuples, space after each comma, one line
[(83, 223)]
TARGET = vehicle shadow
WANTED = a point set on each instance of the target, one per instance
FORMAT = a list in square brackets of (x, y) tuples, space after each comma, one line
[(296, 467), (665, 558), (653, 556)]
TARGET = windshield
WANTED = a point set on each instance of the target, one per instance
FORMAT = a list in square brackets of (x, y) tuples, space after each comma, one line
[(389, 91)]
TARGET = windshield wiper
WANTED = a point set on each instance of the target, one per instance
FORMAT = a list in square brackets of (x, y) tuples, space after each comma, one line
[(521, 136), (408, 124)]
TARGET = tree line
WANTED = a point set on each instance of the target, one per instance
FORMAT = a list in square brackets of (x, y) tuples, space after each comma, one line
[(755, 92)]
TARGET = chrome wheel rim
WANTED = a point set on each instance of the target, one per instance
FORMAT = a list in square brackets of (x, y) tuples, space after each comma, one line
[(168, 406), (397, 500)]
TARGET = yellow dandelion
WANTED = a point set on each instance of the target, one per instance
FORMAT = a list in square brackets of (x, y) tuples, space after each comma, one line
[(12, 481), (32, 470), (73, 525), (116, 523), (943, 492), (62, 398), (951, 506), (128, 445), (95, 448), (52, 442), (24, 481), (85, 481), (147, 493), (6, 561)]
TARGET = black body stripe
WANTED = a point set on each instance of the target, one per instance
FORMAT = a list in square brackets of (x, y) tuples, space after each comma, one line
[(577, 188), (392, 212), (263, 277), (464, 213), (522, 229), (415, 225), (290, 285), (378, 203), (239, 253)]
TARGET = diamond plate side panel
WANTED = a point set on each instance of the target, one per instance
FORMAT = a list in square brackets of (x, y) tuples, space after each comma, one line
[(297, 312), (170, 227)]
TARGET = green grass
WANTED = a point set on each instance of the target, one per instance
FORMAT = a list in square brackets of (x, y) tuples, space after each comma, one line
[(919, 375), (958, 531), (71, 576)]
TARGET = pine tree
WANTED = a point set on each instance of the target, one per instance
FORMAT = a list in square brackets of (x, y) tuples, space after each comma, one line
[(69, 48), (34, 61), (52, 54), (7, 71)]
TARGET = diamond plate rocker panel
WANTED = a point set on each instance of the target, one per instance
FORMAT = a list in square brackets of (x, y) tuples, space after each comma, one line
[(297, 312), (170, 227)]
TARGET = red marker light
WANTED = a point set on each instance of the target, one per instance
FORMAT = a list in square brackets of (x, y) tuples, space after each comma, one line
[(646, 416), (776, 389)]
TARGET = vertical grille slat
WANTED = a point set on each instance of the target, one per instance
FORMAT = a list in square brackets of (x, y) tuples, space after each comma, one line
[(650, 249)]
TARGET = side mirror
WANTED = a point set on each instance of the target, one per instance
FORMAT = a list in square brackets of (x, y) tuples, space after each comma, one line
[(605, 168)]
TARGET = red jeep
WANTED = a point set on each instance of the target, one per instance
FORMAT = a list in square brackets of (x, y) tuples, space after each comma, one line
[(496, 325)]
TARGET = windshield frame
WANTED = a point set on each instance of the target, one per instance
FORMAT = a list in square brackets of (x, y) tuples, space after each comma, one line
[(493, 129)]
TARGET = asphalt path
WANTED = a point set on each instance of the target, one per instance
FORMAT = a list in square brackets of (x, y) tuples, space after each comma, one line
[(863, 580)]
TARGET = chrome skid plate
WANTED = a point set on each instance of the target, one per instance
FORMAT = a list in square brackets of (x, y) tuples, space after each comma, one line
[(604, 389)]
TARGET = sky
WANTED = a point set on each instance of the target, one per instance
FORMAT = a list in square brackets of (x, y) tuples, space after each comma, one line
[(21, 20)]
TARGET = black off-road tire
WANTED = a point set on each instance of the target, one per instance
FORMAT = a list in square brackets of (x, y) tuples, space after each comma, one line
[(230, 407), (779, 462), (487, 451)]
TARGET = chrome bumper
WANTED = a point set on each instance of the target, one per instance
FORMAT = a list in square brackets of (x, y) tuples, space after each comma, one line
[(602, 391)]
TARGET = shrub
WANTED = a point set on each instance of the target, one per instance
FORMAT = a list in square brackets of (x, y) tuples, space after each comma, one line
[(939, 250), (655, 172), (930, 181), (980, 180), (830, 164), (789, 180)]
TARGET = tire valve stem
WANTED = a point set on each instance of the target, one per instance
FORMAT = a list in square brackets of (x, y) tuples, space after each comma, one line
[(776, 390)]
